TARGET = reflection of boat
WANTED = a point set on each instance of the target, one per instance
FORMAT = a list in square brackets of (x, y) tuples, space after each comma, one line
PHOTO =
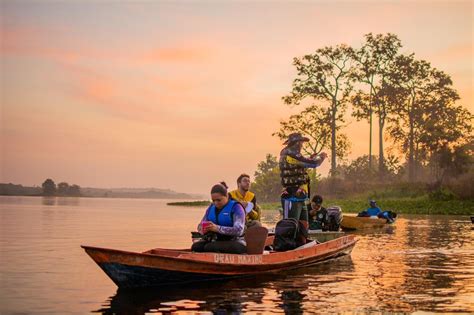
[(236, 296), (158, 267), (356, 223)]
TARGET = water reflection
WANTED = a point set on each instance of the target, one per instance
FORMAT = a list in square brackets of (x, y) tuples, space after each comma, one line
[(48, 201), (423, 263), (287, 292), (60, 201)]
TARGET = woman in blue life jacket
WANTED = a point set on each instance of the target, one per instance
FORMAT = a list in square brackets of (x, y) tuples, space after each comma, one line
[(223, 225)]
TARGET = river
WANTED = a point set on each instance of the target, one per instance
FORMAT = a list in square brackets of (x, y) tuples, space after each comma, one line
[(422, 263)]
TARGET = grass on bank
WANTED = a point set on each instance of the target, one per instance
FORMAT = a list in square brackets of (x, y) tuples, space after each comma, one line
[(418, 205)]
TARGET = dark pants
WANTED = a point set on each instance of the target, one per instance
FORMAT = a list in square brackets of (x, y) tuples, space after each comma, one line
[(230, 247)]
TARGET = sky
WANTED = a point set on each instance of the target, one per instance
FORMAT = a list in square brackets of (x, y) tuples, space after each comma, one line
[(183, 94)]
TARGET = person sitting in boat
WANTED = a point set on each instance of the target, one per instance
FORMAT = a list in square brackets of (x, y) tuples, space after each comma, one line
[(248, 200), (223, 224), (318, 215), (373, 210)]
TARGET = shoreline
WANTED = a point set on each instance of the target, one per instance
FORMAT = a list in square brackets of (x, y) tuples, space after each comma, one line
[(419, 205)]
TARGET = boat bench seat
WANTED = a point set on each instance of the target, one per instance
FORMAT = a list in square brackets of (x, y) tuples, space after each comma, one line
[(255, 237)]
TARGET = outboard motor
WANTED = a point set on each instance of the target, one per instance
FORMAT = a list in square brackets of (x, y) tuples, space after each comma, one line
[(334, 218)]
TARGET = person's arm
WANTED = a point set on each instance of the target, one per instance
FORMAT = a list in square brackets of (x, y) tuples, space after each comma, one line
[(239, 223), (299, 159)]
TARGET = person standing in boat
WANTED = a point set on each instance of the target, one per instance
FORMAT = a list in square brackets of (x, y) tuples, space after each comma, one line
[(294, 178), (248, 200), (223, 224)]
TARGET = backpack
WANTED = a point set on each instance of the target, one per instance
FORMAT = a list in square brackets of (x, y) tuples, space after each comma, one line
[(289, 234)]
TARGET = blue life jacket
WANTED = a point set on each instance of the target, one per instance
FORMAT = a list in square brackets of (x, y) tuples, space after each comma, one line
[(226, 215), (373, 211)]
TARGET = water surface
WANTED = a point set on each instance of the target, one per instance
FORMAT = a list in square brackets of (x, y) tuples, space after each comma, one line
[(423, 263)]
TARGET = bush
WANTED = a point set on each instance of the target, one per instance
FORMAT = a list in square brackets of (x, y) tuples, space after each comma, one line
[(462, 186), (443, 194)]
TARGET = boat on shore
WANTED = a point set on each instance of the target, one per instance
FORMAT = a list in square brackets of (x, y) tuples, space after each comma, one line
[(160, 267), (358, 223)]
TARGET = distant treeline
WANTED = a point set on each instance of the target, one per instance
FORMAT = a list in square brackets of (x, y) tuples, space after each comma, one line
[(49, 188), (19, 190)]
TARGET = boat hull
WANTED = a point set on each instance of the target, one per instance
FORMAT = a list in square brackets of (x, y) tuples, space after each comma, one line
[(161, 267), (358, 223)]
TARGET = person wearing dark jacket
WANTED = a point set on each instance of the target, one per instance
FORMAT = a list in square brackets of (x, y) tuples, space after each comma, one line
[(294, 177), (318, 215)]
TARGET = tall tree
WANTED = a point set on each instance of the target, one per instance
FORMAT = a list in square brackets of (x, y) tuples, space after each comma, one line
[(314, 122), (372, 63), (422, 93), (324, 75)]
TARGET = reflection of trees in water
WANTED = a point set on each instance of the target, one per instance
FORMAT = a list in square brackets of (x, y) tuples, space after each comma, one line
[(48, 201), (60, 201), (434, 260), (287, 291), (380, 270)]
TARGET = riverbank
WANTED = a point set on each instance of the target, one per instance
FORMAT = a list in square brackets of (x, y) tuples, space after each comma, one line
[(419, 205)]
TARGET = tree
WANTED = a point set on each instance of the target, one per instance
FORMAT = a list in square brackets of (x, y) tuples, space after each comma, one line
[(314, 122), (74, 190), (267, 186), (420, 94), (49, 187), (373, 61), (266, 166), (63, 189), (324, 75)]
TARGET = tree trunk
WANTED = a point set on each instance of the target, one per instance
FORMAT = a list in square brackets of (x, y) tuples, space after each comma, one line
[(381, 155), (333, 139), (370, 137), (411, 152)]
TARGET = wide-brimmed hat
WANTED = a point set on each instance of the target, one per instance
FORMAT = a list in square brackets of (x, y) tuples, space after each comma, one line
[(295, 137)]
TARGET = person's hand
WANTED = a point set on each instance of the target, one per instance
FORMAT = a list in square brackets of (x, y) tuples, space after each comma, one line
[(211, 227)]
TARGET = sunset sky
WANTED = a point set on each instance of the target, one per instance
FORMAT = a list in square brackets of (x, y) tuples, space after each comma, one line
[(181, 95)]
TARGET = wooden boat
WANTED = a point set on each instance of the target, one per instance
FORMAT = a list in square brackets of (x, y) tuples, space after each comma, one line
[(356, 223), (159, 267)]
